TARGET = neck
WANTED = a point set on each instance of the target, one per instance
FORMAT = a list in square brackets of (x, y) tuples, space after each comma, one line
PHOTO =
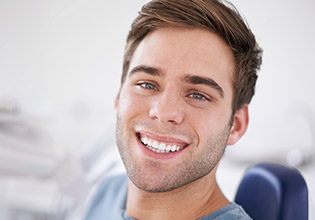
[(191, 201)]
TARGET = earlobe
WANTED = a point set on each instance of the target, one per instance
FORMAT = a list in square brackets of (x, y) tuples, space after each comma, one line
[(239, 126)]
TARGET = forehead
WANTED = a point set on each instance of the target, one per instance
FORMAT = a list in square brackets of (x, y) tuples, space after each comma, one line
[(178, 50)]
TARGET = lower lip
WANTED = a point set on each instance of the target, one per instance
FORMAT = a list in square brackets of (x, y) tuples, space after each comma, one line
[(160, 156)]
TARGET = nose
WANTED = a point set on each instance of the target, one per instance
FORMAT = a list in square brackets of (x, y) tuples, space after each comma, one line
[(167, 109)]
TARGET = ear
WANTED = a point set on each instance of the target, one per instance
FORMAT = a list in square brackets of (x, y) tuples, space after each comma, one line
[(239, 126), (117, 100)]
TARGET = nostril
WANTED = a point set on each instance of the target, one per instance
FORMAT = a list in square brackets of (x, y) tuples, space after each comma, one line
[(175, 117)]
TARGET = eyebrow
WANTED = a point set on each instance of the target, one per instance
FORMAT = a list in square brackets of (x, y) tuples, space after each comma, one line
[(200, 80), (146, 69), (191, 79)]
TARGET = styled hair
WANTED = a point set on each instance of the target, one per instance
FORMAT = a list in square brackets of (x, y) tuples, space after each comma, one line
[(216, 16)]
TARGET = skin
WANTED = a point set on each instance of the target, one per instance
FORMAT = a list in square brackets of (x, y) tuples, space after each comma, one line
[(178, 90)]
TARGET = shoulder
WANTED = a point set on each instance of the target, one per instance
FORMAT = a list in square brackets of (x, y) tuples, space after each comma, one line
[(109, 199), (111, 186), (229, 212)]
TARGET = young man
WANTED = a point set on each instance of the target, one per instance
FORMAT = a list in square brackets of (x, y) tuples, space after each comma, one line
[(188, 76)]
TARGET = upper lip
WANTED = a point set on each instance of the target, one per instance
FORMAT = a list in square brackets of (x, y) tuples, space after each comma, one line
[(164, 138)]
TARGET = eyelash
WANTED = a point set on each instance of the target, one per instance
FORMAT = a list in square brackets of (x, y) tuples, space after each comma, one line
[(146, 85), (199, 96)]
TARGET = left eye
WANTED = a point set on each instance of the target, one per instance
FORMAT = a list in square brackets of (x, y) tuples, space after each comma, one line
[(198, 96), (147, 85)]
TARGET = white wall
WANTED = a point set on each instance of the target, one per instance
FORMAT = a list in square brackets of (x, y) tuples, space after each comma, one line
[(62, 60), (60, 63)]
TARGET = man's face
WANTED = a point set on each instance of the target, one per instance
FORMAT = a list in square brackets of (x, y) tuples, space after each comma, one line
[(174, 109)]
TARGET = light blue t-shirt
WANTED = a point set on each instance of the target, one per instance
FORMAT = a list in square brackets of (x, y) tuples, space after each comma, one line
[(110, 202)]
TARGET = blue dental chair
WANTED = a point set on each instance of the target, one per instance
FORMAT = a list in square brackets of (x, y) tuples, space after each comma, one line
[(273, 192)]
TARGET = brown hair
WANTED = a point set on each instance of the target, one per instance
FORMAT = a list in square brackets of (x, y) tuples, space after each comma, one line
[(213, 15)]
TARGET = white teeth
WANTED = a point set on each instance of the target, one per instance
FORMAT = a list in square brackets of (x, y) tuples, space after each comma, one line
[(169, 147), (159, 147), (144, 140), (173, 149), (155, 144), (150, 142), (162, 147)]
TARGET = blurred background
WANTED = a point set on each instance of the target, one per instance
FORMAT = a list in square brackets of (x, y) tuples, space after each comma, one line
[(60, 65)]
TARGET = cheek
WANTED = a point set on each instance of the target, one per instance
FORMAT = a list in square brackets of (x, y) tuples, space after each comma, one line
[(210, 123), (129, 105)]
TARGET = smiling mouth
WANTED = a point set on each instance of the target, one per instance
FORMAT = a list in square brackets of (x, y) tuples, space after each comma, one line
[(159, 146)]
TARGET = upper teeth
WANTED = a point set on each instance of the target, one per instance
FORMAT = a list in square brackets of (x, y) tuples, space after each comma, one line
[(159, 146)]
